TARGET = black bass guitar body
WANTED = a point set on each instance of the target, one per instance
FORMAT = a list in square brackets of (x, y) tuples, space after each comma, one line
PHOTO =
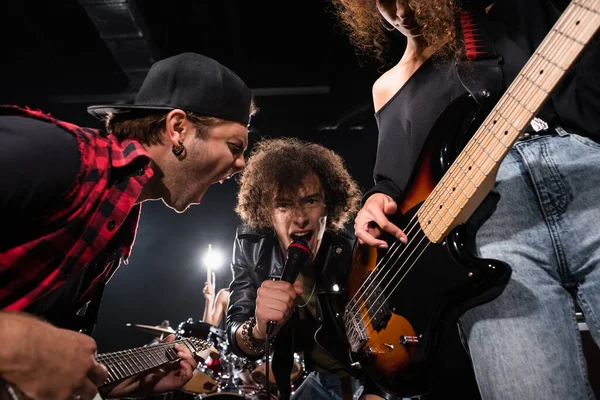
[(406, 300)]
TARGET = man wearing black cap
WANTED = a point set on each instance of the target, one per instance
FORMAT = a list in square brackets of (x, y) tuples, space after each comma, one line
[(72, 199)]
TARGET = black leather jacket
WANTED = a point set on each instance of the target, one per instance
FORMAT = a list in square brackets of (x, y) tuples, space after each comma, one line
[(256, 256)]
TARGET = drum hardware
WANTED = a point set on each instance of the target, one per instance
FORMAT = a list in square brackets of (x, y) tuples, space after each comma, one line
[(156, 330), (216, 377), (259, 373), (226, 375), (201, 330), (160, 332)]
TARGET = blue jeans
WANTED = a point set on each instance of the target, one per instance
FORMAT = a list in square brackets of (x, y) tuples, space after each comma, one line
[(319, 386), (525, 344)]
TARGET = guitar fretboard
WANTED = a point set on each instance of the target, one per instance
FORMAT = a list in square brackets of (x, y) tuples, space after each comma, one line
[(126, 363), (470, 177)]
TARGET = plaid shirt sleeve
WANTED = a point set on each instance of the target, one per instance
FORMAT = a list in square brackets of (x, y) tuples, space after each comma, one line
[(100, 204)]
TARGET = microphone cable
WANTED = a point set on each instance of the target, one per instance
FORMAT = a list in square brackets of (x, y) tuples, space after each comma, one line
[(267, 356), (298, 254)]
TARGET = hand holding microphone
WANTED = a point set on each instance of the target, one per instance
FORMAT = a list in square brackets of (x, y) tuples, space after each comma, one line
[(276, 297)]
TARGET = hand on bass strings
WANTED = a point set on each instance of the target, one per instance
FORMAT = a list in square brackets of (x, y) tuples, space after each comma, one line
[(46, 362), (166, 378), (275, 302), (372, 220)]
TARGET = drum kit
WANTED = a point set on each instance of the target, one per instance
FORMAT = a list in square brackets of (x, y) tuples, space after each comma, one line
[(227, 376)]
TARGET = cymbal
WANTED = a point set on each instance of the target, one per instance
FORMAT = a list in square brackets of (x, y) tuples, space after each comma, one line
[(157, 330)]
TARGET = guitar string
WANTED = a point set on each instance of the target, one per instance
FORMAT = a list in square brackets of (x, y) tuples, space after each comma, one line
[(393, 248), (143, 349), (509, 116), (567, 23), (540, 46), (117, 358), (367, 316), (118, 354), (121, 359), (372, 279), (541, 49), (401, 269), (377, 274), (451, 196), (472, 143), (386, 264), (363, 307)]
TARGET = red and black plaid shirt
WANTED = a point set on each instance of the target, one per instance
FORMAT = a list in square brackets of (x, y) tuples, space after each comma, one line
[(100, 204)]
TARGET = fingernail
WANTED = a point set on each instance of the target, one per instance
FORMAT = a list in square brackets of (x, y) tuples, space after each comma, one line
[(383, 246), (404, 239)]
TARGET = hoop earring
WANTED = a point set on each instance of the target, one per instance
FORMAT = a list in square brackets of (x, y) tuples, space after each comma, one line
[(178, 151)]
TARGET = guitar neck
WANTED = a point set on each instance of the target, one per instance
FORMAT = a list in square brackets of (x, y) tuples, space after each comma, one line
[(472, 174), (126, 363)]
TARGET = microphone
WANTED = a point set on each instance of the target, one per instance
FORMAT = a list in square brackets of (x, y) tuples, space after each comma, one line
[(298, 254)]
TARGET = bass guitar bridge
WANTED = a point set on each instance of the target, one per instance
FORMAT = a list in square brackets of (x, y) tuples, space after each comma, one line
[(355, 328)]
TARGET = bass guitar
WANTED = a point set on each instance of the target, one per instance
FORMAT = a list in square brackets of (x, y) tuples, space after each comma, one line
[(404, 302)]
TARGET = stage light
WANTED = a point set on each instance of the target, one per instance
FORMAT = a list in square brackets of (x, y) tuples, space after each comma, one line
[(213, 260)]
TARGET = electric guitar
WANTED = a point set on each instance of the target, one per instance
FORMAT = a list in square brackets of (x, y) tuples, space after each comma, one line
[(126, 363), (405, 301)]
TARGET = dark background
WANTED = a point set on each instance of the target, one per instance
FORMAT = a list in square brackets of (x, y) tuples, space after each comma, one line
[(62, 56)]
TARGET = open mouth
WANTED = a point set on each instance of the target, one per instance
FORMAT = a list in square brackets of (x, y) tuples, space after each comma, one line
[(306, 235), (224, 179)]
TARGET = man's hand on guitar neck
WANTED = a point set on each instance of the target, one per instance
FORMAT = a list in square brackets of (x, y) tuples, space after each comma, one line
[(372, 220), (45, 362), (167, 378)]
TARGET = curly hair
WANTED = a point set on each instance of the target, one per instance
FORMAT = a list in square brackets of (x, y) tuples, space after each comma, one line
[(281, 164), (363, 23)]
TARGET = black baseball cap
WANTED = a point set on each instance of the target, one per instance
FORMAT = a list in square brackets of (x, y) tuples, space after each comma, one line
[(191, 82)]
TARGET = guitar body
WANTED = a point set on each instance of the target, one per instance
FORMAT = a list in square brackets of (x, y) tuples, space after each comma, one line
[(415, 301)]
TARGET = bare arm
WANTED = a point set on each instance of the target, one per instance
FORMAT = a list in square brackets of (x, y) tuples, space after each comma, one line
[(220, 307), (209, 301)]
